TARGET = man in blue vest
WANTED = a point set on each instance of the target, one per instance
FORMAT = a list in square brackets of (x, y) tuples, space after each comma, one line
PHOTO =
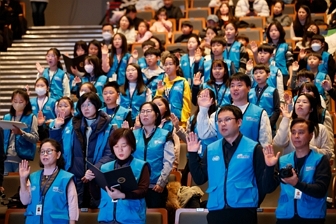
[(234, 166), (304, 185)]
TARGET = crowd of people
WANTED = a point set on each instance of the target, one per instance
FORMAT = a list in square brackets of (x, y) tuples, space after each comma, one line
[(223, 98)]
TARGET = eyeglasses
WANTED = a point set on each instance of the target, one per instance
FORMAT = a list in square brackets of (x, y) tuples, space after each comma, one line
[(88, 105), (146, 111), (48, 151), (226, 120)]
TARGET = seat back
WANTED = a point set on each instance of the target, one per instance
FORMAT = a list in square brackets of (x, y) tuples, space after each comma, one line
[(183, 4), (319, 16), (90, 216), (198, 13), (254, 34), (183, 156), (163, 37), (147, 14), (15, 216), (191, 215), (289, 9), (11, 184), (156, 216), (179, 33), (175, 176), (266, 215), (199, 3), (171, 47), (198, 23), (287, 31), (258, 21)]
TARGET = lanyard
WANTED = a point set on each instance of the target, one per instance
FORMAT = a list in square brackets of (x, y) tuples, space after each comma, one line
[(44, 186)]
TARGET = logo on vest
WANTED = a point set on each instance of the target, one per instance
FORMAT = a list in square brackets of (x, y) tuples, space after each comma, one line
[(56, 189), (33, 188), (185, 64), (251, 119), (33, 107), (310, 168), (215, 158), (156, 142), (118, 118), (57, 79), (47, 108), (67, 130), (241, 156), (177, 88), (268, 95)]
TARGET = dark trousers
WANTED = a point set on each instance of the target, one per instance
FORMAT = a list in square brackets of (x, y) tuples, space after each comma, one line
[(233, 216), (38, 13), (155, 199), (298, 220)]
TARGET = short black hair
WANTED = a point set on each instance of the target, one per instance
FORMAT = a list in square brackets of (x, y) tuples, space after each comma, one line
[(266, 47), (261, 67), (305, 73), (311, 126), (318, 37), (131, 8), (93, 98), (125, 133), (237, 113), (244, 37), (154, 51), (60, 163), (107, 24), (148, 42), (218, 39), (113, 84), (314, 55), (240, 77)]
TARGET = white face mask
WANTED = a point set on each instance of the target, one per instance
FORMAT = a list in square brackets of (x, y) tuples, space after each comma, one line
[(81, 93), (316, 47), (18, 107), (40, 91), (88, 68), (107, 36)]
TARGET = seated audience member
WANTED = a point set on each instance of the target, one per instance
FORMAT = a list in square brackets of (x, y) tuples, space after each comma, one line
[(143, 32), (255, 123), (304, 186), (307, 35), (205, 44), (329, 88), (217, 3), (187, 32), (245, 40), (283, 19), (225, 13), (107, 33), (149, 4), (126, 27), (316, 6), (131, 12), (162, 24), (173, 12), (300, 23), (212, 22), (252, 8), (145, 46), (304, 107), (232, 159)]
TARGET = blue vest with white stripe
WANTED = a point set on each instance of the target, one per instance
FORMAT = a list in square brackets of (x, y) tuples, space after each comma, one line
[(175, 98), (119, 68), (119, 116), (207, 68), (153, 82), (133, 102), (280, 58), (99, 84), (265, 100), (56, 83), (188, 71), (48, 108), (223, 96), (307, 207), (236, 184), (233, 54)]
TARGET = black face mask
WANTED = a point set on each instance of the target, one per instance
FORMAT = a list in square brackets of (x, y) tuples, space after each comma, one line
[(310, 34)]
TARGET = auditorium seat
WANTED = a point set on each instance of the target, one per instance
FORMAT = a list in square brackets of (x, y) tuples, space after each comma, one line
[(156, 216), (191, 216)]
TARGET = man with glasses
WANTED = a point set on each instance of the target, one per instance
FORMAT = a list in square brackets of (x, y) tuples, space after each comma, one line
[(234, 166)]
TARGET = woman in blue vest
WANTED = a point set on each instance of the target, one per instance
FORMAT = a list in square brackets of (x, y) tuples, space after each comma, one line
[(154, 145), (118, 113), (303, 193), (115, 67), (50, 193), (283, 54), (93, 74), (134, 92), (217, 84), (85, 140), (235, 51), (20, 143), (58, 80), (129, 207), (43, 107), (192, 62)]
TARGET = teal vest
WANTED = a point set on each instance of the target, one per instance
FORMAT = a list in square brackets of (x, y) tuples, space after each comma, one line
[(56, 83), (23, 148), (280, 58), (265, 99), (55, 203), (119, 116), (188, 71), (175, 98), (233, 54), (320, 76), (234, 185), (272, 79), (223, 96), (207, 68), (152, 153), (307, 207), (119, 68), (153, 82), (48, 108), (323, 67), (99, 84), (133, 102)]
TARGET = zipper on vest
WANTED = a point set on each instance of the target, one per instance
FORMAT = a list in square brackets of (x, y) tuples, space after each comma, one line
[(115, 211), (225, 181)]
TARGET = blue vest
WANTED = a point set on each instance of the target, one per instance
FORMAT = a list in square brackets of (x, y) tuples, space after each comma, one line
[(99, 84), (320, 76), (48, 108), (153, 152), (188, 71), (119, 116), (323, 67), (143, 64), (55, 203), (233, 54), (271, 80), (280, 58), (56, 83), (67, 135), (207, 68), (168, 125), (234, 185), (23, 148), (265, 99), (119, 68), (152, 83), (223, 95), (175, 98), (127, 210), (307, 207), (251, 122), (133, 102)]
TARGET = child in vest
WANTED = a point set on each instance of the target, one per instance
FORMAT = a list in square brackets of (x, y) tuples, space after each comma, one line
[(117, 113), (58, 80), (145, 46), (217, 51), (275, 80), (20, 143), (153, 73), (327, 64), (265, 96)]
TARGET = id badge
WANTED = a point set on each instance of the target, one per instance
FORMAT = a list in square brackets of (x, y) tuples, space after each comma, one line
[(297, 194), (113, 78), (39, 209)]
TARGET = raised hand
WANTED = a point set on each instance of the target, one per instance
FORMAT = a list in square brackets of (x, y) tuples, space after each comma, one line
[(175, 120), (249, 65), (59, 121), (193, 144), (24, 169), (137, 124), (295, 66), (204, 100), (135, 54), (326, 85), (197, 79), (254, 46), (302, 53), (285, 111), (39, 68), (104, 49), (288, 98), (40, 118), (270, 158), (77, 80), (125, 124), (160, 87), (198, 55)]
